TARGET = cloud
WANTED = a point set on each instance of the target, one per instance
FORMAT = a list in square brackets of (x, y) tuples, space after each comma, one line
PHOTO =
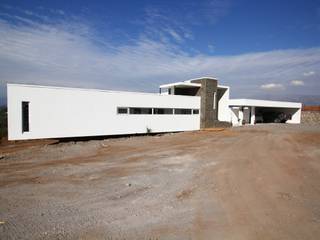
[(272, 86), (310, 73), (214, 10), (73, 54), (297, 83), (211, 47), (174, 23), (175, 35), (159, 25)]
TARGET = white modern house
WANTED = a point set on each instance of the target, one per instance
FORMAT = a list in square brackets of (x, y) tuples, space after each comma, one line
[(36, 112)]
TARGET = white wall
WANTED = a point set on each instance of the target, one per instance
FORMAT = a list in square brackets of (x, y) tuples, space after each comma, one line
[(296, 115), (69, 112), (223, 107), (234, 115)]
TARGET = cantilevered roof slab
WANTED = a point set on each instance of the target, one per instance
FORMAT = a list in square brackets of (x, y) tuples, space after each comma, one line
[(262, 103), (180, 84), (196, 82)]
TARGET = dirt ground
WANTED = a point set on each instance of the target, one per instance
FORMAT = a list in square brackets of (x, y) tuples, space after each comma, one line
[(253, 182)]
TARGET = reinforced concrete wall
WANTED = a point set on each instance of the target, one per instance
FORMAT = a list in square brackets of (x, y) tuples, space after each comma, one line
[(56, 112)]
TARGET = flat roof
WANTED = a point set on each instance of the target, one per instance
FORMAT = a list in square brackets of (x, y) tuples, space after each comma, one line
[(190, 83), (186, 84), (201, 78), (262, 103), (180, 84), (79, 89)]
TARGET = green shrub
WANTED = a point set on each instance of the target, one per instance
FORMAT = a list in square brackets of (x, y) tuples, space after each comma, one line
[(149, 130)]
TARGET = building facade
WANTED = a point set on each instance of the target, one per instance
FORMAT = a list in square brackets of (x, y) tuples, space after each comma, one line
[(36, 112)]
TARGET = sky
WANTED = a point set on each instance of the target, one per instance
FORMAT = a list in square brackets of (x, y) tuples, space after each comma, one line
[(261, 49)]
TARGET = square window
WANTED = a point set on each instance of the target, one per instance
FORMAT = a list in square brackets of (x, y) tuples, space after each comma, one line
[(122, 110), (195, 111)]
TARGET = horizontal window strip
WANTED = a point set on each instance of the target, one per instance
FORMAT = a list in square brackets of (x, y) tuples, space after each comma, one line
[(156, 111)]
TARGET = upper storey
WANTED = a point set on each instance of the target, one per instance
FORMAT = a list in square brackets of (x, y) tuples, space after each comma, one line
[(189, 87)]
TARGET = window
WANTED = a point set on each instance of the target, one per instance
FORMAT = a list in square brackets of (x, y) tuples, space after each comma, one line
[(122, 110), (156, 111), (140, 110), (214, 100), (182, 111), (162, 111), (195, 111), (25, 116)]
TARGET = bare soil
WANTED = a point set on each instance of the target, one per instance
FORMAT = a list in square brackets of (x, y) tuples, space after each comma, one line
[(252, 182)]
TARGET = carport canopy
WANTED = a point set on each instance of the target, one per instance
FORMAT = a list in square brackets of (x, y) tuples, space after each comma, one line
[(292, 108)]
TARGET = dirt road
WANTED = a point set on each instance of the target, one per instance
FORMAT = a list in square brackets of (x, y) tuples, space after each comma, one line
[(254, 182)]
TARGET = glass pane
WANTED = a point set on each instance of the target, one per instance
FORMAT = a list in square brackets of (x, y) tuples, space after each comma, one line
[(25, 116), (162, 111), (182, 111), (140, 110), (122, 110)]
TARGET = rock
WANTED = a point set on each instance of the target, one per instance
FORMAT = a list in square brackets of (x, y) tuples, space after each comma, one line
[(104, 145)]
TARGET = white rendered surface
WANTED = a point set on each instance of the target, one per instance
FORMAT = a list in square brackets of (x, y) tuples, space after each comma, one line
[(263, 103), (70, 112), (240, 116), (253, 115), (223, 105)]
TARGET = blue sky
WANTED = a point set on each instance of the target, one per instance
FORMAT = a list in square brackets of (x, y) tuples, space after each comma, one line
[(268, 49)]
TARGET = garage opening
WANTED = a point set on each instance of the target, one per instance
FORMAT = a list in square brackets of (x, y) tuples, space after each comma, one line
[(274, 115)]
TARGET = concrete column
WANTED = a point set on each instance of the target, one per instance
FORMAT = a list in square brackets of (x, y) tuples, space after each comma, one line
[(240, 116), (253, 115), (207, 113)]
